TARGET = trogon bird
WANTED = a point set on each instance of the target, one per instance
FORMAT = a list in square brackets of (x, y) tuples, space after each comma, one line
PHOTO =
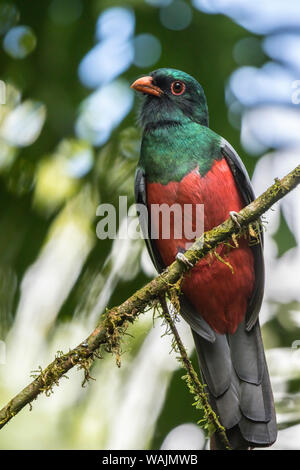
[(182, 161)]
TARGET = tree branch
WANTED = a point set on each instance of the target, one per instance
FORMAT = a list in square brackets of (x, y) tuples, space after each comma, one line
[(195, 386), (114, 322)]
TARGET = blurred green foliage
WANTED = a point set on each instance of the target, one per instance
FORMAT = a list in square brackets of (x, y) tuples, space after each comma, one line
[(40, 194)]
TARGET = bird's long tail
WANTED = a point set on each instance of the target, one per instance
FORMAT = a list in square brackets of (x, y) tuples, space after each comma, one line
[(235, 372)]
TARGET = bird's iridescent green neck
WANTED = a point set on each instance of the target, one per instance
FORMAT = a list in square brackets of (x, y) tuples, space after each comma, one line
[(169, 152)]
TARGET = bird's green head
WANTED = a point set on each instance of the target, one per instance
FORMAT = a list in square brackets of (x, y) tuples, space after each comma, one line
[(171, 97)]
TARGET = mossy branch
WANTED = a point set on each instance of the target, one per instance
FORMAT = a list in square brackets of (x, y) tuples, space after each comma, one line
[(196, 388), (114, 322)]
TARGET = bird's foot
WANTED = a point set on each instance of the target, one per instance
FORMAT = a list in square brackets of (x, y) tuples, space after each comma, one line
[(235, 216), (180, 256)]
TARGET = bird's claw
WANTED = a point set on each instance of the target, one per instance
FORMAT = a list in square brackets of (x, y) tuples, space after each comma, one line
[(180, 256), (235, 216)]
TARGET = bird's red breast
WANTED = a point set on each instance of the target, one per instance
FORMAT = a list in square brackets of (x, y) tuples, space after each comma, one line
[(219, 292)]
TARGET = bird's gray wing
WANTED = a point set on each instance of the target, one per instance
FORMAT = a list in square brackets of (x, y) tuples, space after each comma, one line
[(245, 188)]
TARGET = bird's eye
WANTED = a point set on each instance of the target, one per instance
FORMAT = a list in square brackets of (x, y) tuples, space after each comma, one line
[(177, 88)]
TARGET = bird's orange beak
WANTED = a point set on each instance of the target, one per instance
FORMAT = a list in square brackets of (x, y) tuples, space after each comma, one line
[(145, 85)]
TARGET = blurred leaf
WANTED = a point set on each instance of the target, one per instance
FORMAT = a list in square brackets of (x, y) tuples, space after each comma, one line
[(19, 42), (58, 175), (284, 238), (23, 125)]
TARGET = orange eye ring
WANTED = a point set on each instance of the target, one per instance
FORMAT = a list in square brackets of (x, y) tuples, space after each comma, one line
[(177, 88)]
